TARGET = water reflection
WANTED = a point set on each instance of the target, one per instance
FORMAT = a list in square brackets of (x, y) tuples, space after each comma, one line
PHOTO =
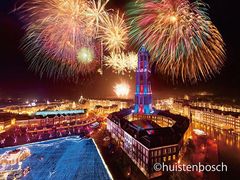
[(221, 136), (228, 148)]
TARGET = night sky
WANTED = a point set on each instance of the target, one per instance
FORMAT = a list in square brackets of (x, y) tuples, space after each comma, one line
[(17, 81)]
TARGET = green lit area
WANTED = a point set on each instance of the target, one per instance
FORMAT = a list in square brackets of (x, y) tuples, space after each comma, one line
[(85, 55)]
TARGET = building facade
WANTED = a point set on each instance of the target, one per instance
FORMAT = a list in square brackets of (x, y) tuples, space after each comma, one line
[(146, 135), (149, 140), (222, 117)]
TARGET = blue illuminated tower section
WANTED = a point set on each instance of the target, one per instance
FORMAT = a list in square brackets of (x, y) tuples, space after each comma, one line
[(143, 94)]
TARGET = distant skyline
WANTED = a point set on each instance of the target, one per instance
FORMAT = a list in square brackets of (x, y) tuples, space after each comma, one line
[(17, 81)]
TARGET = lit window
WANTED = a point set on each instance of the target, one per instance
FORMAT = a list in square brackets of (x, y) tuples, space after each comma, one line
[(164, 159), (174, 157), (169, 158)]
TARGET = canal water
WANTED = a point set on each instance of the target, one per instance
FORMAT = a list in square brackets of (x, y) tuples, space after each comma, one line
[(228, 149)]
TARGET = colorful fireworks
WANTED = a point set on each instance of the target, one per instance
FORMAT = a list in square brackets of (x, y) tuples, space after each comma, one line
[(121, 90), (67, 38), (114, 33), (85, 55), (122, 62), (97, 12), (61, 37), (180, 36)]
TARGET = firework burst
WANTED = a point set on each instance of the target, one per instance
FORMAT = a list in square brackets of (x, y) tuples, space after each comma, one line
[(60, 33), (114, 33), (97, 12), (183, 41), (121, 89), (122, 62)]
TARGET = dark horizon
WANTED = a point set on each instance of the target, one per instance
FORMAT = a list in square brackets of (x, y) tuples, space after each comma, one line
[(17, 81)]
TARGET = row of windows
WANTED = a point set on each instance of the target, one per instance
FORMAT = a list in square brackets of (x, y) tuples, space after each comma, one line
[(163, 159), (139, 148), (220, 120), (163, 151), (218, 116)]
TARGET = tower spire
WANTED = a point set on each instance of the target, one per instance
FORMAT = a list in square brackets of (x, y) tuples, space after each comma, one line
[(143, 94)]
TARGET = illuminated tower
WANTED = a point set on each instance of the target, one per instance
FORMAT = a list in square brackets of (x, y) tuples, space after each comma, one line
[(143, 94)]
